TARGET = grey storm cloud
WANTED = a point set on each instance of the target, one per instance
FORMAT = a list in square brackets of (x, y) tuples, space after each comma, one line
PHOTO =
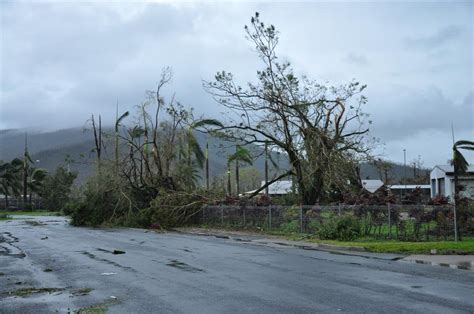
[(439, 38), (62, 61), (356, 59)]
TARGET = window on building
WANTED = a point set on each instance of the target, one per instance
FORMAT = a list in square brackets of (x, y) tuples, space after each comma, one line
[(441, 187)]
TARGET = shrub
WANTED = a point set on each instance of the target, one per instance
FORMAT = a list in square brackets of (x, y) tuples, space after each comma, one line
[(290, 227), (101, 202), (343, 228)]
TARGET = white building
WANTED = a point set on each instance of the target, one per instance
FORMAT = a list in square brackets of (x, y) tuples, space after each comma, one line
[(276, 188), (372, 185), (401, 189), (442, 181)]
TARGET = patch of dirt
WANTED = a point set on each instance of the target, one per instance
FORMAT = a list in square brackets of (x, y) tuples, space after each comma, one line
[(25, 292)]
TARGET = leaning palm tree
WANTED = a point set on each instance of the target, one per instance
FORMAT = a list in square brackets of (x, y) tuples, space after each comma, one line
[(192, 143), (118, 120), (460, 166), (35, 180), (241, 155)]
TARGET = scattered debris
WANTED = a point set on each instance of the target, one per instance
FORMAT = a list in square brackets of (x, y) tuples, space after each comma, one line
[(108, 274), (48, 270), (44, 238), (113, 297), (183, 266), (34, 223), (112, 252), (2, 274)]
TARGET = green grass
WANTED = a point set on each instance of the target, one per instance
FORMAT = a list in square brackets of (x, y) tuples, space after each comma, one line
[(30, 213), (393, 246), (5, 217)]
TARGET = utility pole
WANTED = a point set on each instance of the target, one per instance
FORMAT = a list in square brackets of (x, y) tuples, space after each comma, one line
[(405, 170), (207, 164), (25, 171), (266, 168)]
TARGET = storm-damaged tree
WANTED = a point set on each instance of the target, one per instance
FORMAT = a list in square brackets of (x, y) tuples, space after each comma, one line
[(460, 165), (164, 153), (321, 129)]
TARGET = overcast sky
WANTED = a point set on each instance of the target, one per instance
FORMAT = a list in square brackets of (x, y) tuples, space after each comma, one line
[(61, 61)]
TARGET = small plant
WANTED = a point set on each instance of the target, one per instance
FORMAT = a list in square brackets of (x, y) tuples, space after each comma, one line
[(342, 228)]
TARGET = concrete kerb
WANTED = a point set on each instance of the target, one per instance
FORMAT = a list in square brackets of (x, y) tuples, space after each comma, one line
[(279, 242), (464, 262)]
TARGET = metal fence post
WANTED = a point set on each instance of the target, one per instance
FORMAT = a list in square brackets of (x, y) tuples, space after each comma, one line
[(339, 209), (270, 217), (203, 215), (243, 214), (389, 220), (301, 218), (222, 215)]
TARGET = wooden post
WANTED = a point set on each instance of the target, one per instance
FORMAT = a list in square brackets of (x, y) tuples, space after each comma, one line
[(389, 220), (301, 218)]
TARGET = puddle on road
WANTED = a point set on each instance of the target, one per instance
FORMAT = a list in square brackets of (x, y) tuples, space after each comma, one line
[(81, 292), (465, 265), (8, 248), (183, 266)]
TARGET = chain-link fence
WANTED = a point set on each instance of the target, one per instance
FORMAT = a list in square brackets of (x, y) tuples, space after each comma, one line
[(419, 222), (18, 203)]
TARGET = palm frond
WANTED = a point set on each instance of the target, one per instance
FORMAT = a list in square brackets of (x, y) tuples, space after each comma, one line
[(459, 162), (463, 142), (241, 154), (203, 122), (196, 149), (123, 116)]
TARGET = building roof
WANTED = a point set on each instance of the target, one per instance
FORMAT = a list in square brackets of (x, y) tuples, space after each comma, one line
[(372, 185), (450, 169), (408, 186)]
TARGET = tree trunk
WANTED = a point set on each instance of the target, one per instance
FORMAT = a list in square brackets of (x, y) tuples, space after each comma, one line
[(237, 177), (456, 199), (266, 169)]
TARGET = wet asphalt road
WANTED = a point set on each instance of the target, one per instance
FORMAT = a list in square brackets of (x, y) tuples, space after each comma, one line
[(197, 274)]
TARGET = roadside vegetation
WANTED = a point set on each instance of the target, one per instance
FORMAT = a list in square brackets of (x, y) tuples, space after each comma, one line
[(150, 170)]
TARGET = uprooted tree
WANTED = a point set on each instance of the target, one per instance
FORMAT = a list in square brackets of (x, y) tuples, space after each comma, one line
[(322, 129)]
